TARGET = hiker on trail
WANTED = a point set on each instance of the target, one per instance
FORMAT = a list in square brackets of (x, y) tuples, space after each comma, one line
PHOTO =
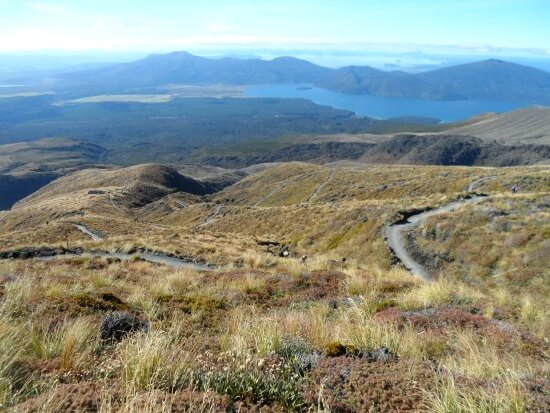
[(514, 189)]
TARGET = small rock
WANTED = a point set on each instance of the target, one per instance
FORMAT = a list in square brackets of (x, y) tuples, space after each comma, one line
[(381, 355), (306, 361), (116, 325)]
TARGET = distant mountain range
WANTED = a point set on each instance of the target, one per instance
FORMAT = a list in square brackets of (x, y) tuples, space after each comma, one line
[(485, 80)]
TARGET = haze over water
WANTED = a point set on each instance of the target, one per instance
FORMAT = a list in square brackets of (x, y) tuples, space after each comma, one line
[(384, 107)]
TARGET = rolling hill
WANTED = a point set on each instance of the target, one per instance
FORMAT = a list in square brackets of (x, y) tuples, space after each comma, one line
[(485, 80), (18, 186), (404, 149), (141, 184), (112, 192)]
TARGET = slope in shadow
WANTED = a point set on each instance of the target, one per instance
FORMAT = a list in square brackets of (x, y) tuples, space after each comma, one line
[(454, 150), (16, 187), (305, 152)]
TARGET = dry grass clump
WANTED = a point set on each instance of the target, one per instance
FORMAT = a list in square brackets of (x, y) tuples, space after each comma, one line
[(16, 376), (160, 360), (494, 397), (147, 361), (442, 291)]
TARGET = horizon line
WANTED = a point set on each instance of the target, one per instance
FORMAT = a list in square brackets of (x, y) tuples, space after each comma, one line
[(356, 48)]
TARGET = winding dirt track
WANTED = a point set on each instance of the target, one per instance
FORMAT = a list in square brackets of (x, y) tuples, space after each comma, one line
[(210, 218), (93, 235), (156, 258), (394, 232), (320, 187)]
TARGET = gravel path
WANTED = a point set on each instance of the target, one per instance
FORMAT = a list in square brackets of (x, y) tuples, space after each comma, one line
[(93, 235), (395, 232), (156, 258), (210, 218), (320, 188)]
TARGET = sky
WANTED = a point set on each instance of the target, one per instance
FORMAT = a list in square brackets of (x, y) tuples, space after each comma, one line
[(480, 26)]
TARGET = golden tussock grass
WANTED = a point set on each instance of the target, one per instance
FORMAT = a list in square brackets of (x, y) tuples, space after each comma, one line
[(245, 333)]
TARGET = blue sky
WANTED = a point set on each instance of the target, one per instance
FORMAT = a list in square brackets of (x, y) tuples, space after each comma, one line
[(163, 25)]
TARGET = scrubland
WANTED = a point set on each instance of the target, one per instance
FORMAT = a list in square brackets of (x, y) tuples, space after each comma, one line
[(344, 329)]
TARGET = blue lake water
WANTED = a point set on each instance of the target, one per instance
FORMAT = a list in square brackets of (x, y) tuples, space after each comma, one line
[(384, 107)]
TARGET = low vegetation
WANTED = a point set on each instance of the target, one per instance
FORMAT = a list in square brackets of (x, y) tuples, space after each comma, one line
[(306, 309)]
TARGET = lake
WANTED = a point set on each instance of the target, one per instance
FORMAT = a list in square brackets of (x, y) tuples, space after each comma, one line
[(383, 107)]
